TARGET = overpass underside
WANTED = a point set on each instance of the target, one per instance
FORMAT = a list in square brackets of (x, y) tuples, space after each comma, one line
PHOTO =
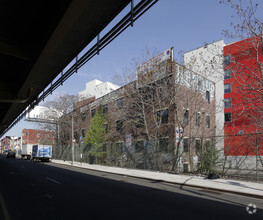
[(40, 38)]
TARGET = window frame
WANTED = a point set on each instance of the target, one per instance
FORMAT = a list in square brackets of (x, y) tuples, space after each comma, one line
[(229, 113), (184, 146), (93, 112), (198, 149), (227, 103), (198, 119), (186, 116), (207, 145), (139, 121), (227, 90), (138, 146), (119, 125), (207, 96), (227, 74), (83, 118), (105, 109), (162, 117), (161, 148), (83, 132), (106, 127), (227, 60), (119, 103), (207, 121)]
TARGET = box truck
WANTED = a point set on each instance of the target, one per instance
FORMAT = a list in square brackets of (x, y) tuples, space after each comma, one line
[(42, 152), (26, 151)]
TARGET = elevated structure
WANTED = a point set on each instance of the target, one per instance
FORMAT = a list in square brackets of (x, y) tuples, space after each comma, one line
[(39, 39)]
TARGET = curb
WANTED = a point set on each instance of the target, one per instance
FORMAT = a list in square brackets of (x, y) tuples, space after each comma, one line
[(255, 190)]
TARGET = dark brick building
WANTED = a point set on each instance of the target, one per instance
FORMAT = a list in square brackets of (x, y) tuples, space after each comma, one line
[(166, 123)]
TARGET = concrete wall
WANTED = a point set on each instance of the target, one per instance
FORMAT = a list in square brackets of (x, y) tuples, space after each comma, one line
[(207, 61), (96, 88)]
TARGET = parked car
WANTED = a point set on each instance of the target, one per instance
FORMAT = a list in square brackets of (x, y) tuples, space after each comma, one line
[(11, 154)]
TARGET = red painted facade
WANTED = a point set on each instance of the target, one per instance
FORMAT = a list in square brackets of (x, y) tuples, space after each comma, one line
[(31, 136), (243, 98)]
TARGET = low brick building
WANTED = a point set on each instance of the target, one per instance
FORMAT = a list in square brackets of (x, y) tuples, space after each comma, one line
[(32, 136), (162, 123)]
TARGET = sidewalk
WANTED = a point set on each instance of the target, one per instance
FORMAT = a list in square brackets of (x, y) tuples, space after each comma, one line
[(232, 186)]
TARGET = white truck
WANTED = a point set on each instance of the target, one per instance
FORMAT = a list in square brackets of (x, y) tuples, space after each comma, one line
[(26, 151), (42, 152)]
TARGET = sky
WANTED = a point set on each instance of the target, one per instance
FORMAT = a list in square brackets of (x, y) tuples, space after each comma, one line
[(182, 24)]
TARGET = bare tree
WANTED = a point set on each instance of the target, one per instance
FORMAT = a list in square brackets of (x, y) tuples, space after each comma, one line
[(59, 112), (160, 103)]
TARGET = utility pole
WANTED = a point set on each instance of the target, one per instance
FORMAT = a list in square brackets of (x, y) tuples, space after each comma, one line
[(72, 139)]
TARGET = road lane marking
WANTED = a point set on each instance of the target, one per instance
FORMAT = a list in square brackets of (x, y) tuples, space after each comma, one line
[(5, 211), (53, 180)]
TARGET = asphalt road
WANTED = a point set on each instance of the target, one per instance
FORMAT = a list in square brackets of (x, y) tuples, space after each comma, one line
[(36, 190)]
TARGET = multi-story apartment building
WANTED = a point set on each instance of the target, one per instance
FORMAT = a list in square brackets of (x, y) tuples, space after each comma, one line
[(164, 120), (236, 69), (32, 136), (10, 143), (6, 143), (243, 98)]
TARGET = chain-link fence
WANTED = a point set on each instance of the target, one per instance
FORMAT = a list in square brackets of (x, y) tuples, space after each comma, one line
[(161, 157)]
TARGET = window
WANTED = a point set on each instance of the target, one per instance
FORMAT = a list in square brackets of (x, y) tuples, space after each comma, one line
[(227, 60), (227, 74), (93, 112), (197, 119), (104, 147), (207, 96), (119, 125), (228, 103), (227, 116), (105, 127), (139, 146), (186, 116), (119, 103), (162, 116), (186, 168), (115, 148), (83, 132), (163, 145), (208, 121), (197, 145), (139, 121), (199, 83), (207, 144), (227, 88), (118, 148), (83, 116), (26, 133), (104, 109), (186, 144)]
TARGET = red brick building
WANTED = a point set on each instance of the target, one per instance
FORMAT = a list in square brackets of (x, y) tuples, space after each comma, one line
[(166, 118), (6, 143), (31, 136)]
